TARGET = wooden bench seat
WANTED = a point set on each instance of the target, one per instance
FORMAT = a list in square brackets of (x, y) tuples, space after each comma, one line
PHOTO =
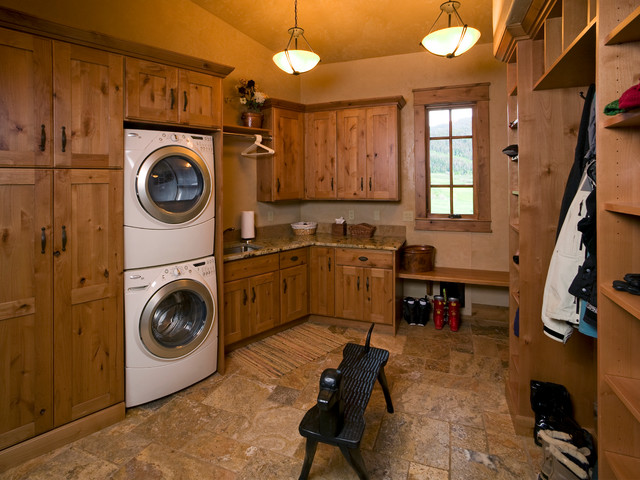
[(469, 276)]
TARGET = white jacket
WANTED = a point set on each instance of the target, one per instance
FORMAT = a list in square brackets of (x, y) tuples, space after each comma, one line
[(560, 312)]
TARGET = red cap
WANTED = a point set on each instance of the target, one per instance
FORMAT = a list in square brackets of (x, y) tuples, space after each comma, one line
[(631, 98)]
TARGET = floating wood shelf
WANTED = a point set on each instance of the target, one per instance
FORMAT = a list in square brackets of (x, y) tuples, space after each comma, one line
[(515, 227), (577, 64), (628, 391), (461, 275), (626, 301), (245, 130), (623, 207), (624, 467), (627, 119), (627, 31)]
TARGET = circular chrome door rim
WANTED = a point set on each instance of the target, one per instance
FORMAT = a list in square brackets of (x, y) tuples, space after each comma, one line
[(146, 333), (152, 207)]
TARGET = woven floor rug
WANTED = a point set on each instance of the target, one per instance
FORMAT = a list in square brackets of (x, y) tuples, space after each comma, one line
[(281, 353)]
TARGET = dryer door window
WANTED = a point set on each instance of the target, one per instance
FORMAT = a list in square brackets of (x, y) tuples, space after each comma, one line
[(177, 319), (173, 184)]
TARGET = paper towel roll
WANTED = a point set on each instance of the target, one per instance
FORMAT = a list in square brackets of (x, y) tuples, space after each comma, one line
[(247, 225)]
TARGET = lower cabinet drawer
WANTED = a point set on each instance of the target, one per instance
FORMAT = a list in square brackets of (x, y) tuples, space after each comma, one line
[(360, 257)]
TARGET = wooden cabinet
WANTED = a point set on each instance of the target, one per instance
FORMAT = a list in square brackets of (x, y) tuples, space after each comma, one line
[(62, 302), (165, 94), (321, 180), (62, 104), (322, 267), (364, 285), (281, 176), (618, 224), (367, 165), (251, 297), (294, 284)]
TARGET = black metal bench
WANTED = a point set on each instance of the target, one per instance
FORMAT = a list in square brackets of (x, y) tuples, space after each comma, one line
[(338, 418)]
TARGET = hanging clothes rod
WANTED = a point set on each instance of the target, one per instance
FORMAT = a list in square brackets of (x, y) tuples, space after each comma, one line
[(247, 135)]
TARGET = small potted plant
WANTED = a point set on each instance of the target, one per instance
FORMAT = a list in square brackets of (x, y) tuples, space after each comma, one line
[(253, 99)]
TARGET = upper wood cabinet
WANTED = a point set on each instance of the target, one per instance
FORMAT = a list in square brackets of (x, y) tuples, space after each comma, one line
[(352, 144), (281, 176), (61, 103), (87, 107), (165, 94), (321, 180)]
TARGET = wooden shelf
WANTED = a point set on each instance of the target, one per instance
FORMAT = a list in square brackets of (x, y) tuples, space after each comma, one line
[(516, 297), (515, 227), (627, 119), (461, 275), (577, 64), (237, 129), (623, 466), (627, 31), (623, 207), (627, 301), (628, 391), (514, 91)]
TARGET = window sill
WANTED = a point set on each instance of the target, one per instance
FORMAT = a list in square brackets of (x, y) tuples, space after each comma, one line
[(453, 225)]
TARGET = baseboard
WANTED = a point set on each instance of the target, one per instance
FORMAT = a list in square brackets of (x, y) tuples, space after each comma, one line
[(34, 447)]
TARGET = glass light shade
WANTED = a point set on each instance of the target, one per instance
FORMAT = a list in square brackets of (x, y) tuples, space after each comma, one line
[(444, 41), (301, 61)]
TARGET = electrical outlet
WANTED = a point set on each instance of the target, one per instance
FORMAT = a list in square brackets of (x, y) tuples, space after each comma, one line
[(376, 214), (269, 216), (407, 215), (351, 215)]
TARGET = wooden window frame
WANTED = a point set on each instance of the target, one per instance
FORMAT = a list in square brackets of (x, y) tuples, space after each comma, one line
[(477, 96)]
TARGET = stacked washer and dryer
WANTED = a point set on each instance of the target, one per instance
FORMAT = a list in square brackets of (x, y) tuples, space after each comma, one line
[(170, 301)]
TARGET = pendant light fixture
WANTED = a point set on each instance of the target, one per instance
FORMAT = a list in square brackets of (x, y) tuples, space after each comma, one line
[(293, 60), (450, 41)]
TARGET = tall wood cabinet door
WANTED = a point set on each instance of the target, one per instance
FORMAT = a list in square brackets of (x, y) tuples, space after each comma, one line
[(289, 157), (151, 91), (351, 153), (237, 324), (88, 107), (88, 314), (199, 99), (321, 149), (294, 293), (349, 287), (265, 302), (382, 156), (378, 295), (25, 100), (26, 382), (322, 281)]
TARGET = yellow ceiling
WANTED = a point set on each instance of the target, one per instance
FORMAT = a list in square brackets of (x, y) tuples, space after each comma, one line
[(343, 30)]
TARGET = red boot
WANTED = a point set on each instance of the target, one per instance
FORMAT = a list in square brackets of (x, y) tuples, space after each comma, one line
[(454, 314), (438, 311)]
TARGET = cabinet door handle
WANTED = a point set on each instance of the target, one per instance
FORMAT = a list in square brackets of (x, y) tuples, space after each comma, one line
[(358, 283), (64, 139), (369, 183), (367, 284), (332, 184), (361, 184), (278, 185), (186, 100), (253, 295), (43, 138), (294, 258), (329, 263), (64, 238), (172, 99), (284, 284), (244, 296), (363, 259), (43, 239)]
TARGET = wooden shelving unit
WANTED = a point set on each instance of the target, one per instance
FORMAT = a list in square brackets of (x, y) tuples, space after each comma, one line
[(237, 129), (618, 171)]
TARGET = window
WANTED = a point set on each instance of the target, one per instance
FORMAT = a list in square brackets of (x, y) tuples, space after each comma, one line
[(452, 158)]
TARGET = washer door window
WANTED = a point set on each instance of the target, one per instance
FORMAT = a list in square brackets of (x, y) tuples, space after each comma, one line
[(177, 319), (173, 184)]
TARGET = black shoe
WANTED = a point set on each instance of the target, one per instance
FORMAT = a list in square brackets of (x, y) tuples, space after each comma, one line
[(409, 310), (424, 310)]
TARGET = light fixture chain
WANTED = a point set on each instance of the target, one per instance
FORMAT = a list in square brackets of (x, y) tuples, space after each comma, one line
[(295, 9)]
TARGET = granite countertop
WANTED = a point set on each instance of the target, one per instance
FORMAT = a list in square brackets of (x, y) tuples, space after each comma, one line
[(274, 244)]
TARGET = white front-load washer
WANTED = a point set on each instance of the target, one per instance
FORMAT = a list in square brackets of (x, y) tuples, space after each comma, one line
[(169, 197), (171, 328)]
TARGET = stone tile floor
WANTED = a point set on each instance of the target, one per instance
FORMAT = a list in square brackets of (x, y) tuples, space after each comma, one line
[(451, 420)]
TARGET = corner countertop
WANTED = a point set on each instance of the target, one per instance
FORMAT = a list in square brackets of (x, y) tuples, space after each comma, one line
[(289, 242)]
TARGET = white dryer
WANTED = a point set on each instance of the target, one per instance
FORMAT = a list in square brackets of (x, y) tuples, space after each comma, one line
[(169, 197), (171, 328)]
